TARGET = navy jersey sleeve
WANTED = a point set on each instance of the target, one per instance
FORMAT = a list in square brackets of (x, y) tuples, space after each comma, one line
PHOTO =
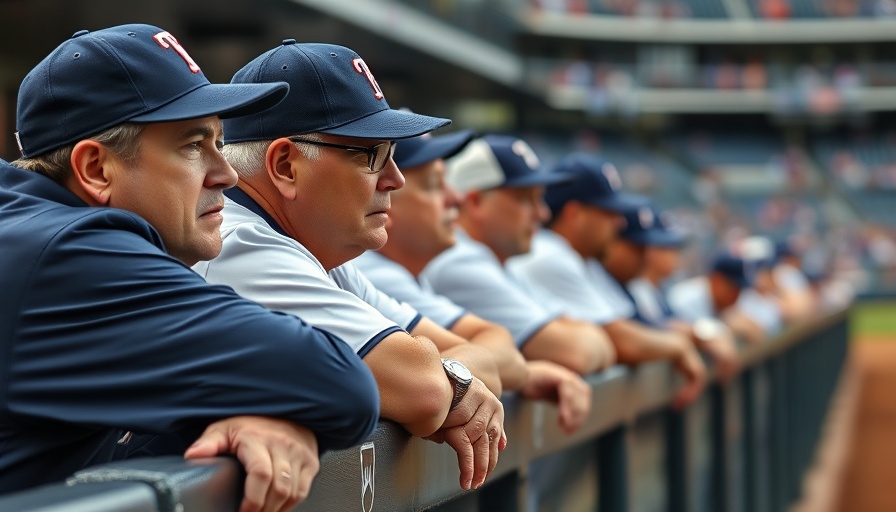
[(114, 333)]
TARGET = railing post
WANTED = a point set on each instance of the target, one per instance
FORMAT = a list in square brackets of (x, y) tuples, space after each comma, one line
[(613, 471), (780, 403), (506, 494), (677, 462), (720, 454)]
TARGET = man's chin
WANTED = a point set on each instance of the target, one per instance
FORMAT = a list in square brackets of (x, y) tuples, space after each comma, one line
[(376, 239)]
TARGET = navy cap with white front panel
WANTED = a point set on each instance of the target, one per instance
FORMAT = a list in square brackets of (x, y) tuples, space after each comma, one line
[(494, 161)]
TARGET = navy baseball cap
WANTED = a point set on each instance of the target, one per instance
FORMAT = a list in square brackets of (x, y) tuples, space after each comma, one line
[(425, 148), (494, 161), (128, 73), (737, 270), (644, 227), (334, 92), (595, 182), (785, 249)]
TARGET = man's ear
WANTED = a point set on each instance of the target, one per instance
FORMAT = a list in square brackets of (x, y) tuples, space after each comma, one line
[(92, 165), (281, 161), (473, 198), (572, 212)]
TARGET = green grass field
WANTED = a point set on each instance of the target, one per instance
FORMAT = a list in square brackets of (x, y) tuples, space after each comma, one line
[(874, 318)]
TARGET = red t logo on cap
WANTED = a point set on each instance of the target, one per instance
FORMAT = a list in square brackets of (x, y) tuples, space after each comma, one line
[(361, 67), (166, 40)]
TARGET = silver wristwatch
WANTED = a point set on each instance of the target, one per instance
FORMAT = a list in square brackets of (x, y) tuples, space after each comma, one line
[(460, 376)]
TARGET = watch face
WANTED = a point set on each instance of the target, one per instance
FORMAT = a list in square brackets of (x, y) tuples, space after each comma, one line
[(459, 370)]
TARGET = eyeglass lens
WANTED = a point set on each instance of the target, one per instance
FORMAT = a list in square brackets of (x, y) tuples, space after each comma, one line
[(383, 153)]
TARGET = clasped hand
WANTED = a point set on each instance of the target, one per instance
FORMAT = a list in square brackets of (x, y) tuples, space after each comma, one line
[(475, 430)]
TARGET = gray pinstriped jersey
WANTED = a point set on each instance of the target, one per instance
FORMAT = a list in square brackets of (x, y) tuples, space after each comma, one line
[(398, 282), (281, 274), (583, 289), (471, 276)]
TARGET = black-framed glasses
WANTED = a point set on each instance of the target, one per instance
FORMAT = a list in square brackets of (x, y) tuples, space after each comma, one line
[(377, 156)]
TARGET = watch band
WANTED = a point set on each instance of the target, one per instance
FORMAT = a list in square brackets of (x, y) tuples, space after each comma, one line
[(459, 392)]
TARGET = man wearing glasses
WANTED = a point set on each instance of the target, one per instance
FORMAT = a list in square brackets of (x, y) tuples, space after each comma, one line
[(315, 177)]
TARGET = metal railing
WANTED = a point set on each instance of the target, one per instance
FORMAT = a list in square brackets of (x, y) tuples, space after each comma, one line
[(741, 447)]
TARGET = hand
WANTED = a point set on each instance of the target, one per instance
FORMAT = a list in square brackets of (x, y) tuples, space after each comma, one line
[(475, 429), (280, 459), (691, 366), (556, 384), (723, 351)]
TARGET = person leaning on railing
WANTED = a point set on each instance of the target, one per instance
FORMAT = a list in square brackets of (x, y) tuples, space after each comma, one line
[(315, 182), (501, 182), (423, 218), (105, 327), (626, 259), (565, 267)]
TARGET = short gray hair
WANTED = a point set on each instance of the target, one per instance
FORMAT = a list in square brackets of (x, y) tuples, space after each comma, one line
[(123, 140), (247, 158)]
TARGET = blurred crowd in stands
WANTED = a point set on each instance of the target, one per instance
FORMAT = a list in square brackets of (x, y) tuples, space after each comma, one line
[(808, 88), (791, 194), (763, 9)]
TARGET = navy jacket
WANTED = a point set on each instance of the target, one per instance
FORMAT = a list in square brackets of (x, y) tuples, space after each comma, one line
[(101, 331)]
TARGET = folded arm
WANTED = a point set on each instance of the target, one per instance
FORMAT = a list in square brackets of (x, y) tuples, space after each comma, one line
[(637, 343), (479, 360), (581, 347), (499, 342)]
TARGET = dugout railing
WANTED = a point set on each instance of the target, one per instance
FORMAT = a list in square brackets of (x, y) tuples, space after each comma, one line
[(739, 448)]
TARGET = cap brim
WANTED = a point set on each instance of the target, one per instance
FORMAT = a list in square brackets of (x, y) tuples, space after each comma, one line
[(621, 202), (442, 146), (537, 179), (223, 100), (656, 239), (388, 124), (666, 239)]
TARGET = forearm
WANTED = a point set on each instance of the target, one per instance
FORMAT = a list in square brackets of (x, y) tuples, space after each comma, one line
[(742, 326), (511, 364), (637, 344), (477, 359), (480, 362), (578, 346), (414, 390), (796, 305)]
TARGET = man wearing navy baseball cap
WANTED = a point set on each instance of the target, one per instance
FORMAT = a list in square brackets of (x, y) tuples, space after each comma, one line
[(715, 295), (626, 259), (565, 267), (626, 254), (107, 329), (316, 177), (421, 226), (501, 182), (661, 259)]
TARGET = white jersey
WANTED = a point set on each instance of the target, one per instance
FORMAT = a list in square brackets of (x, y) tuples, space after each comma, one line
[(648, 300), (278, 272), (398, 282), (691, 300), (583, 290), (761, 309), (790, 278), (471, 276)]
